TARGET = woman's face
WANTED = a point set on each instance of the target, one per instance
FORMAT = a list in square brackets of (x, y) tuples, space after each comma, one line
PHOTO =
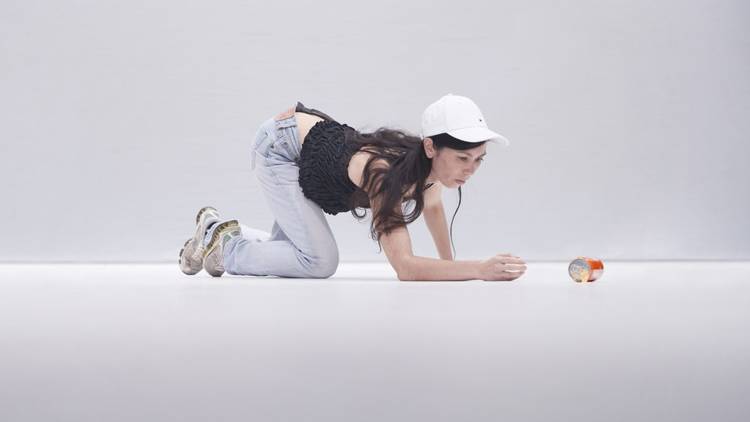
[(453, 167)]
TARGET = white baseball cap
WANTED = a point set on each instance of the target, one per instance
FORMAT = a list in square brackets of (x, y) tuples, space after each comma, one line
[(460, 118)]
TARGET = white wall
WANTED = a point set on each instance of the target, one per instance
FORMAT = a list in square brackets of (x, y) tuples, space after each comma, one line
[(628, 119)]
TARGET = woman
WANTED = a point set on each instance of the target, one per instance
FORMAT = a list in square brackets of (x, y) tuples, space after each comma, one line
[(309, 164)]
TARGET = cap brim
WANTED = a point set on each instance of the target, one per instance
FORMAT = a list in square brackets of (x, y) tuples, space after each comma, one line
[(479, 134)]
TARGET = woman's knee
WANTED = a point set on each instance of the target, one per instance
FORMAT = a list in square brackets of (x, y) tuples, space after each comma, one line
[(323, 266)]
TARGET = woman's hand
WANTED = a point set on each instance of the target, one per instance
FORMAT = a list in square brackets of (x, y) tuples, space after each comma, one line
[(501, 267)]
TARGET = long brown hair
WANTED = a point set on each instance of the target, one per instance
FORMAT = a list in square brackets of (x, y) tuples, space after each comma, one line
[(408, 166)]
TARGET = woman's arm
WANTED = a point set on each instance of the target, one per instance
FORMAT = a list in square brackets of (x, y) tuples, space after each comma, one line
[(397, 247), (398, 250), (434, 217)]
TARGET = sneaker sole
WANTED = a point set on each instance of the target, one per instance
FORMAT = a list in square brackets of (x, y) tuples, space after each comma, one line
[(179, 261), (218, 232), (197, 239), (199, 233), (200, 213)]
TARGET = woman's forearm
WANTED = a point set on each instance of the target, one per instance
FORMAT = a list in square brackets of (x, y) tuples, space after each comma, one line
[(435, 219), (417, 268)]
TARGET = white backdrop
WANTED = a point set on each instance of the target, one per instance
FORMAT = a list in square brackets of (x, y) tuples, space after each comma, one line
[(628, 119)]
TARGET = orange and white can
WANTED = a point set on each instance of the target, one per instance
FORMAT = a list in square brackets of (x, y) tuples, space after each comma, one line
[(585, 270)]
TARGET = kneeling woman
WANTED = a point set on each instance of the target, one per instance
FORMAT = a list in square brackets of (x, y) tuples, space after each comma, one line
[(308, 164)]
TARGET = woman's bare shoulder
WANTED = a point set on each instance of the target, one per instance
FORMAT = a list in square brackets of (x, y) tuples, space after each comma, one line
[(357, 165)]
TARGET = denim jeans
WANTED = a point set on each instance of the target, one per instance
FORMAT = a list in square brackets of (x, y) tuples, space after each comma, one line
[(301, 243)]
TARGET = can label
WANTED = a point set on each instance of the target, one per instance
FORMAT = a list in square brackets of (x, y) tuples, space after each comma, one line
[(585, 270)]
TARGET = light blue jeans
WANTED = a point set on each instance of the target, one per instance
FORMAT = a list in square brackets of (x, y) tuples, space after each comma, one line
[(301, 243)]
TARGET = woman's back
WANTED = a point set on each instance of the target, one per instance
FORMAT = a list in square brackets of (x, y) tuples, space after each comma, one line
[(306, 121), (354, 168)]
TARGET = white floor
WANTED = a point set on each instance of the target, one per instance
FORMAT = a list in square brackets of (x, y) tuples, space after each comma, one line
[(649, 341)]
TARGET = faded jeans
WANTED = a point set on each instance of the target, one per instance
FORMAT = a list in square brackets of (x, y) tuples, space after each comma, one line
[(301, 243)]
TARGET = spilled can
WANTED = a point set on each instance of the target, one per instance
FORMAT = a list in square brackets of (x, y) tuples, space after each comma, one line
[(585, 270)]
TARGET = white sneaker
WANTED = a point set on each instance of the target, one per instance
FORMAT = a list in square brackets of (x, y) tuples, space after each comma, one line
[(191, 254), (213, 260)]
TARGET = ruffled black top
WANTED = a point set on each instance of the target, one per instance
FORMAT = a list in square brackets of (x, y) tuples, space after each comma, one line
[(323, 164)]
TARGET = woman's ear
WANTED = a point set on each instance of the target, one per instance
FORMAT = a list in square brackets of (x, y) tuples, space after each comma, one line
[(429, 148)]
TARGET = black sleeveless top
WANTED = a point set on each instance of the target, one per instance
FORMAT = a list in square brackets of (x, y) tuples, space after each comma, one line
[(324, 162), (323, 165)]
